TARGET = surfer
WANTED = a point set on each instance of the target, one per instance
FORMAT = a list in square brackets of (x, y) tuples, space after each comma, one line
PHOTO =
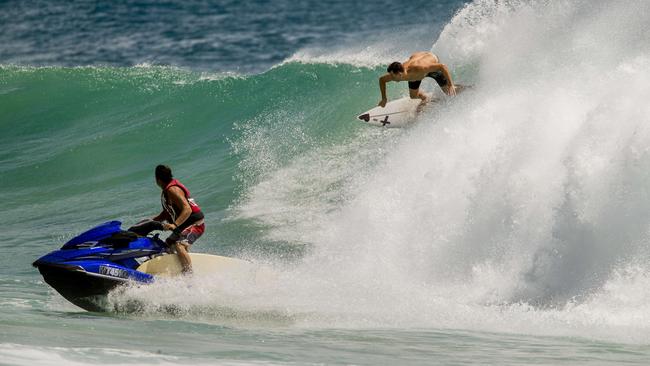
[(181, 215), (414, 70)]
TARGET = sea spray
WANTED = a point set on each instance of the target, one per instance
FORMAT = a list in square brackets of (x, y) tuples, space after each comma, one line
[(513, 204)]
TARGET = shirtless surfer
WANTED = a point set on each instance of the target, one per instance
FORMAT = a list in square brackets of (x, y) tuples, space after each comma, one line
[(414, 70)]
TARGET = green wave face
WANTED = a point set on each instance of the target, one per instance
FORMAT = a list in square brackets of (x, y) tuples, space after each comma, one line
[(79, 144)]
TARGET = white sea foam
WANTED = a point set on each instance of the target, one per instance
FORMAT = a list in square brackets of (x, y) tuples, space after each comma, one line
[(18, 354), (521, 205)]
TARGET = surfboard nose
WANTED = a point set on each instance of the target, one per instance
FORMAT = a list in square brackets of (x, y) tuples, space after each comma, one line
[(365, 117)]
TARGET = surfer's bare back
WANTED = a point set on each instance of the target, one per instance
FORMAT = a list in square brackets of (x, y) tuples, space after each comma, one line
[(414, 70)]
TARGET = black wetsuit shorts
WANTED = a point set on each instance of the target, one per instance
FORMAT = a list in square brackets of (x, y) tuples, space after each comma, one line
[(436, 75)]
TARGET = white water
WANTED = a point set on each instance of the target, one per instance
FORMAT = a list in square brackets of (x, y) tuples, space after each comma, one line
[(520, 206)]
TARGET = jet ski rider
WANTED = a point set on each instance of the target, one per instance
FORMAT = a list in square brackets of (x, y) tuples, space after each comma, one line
[(181, 215)]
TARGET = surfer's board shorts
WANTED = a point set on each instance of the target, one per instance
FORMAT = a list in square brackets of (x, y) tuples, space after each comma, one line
[(187, 236), (436, 75)]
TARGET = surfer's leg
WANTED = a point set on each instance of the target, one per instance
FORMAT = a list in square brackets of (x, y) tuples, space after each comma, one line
[(184, 257), (442, 81), (188, 237), (460, 87), (414, 86), (439, 78), (416, 93)]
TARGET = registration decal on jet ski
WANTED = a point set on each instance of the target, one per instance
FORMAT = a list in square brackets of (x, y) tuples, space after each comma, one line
[(113, 272)]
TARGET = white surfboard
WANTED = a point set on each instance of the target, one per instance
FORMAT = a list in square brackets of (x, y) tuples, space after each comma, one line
[(396, 113), (400, 112)]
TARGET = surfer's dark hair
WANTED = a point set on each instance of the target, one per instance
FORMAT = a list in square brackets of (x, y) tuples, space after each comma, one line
[(395, 67), (164, 173)]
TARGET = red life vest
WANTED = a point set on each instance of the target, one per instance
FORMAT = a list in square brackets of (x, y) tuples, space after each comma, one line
[(168, 205)]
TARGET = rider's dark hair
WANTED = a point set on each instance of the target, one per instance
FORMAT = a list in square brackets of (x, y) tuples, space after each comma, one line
[(164, 173), (395, 67)]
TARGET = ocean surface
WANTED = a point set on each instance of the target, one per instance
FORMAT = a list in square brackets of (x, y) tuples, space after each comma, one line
[(509, 225)]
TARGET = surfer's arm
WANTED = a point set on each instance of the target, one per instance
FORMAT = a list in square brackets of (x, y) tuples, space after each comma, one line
[(178, 198), (382, 88), (162, 216), (449, 89)]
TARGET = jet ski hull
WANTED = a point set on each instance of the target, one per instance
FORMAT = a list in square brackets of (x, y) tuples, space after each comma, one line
[(97, 261), (84, 289)]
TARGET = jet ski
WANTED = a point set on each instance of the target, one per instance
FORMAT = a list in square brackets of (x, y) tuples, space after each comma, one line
[(93, 263)]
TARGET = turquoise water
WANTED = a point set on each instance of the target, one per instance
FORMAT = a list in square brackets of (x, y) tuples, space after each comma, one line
[(506, 226), (96, 132)]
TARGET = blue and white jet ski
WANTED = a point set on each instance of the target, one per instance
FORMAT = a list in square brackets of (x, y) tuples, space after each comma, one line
[(91, 264)]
